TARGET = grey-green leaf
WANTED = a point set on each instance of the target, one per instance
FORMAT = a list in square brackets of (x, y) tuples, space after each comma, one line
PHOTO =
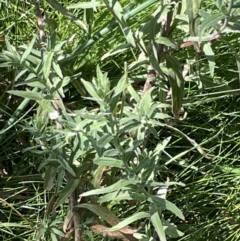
[(110, 162), (67, 190), (211, 21), (47, 65), (165, 204), (207, 49), (66, 165), (157, 223), (104, 140), (90, 89), (129, 220), (26, 94), (114, 187), (28, 50)]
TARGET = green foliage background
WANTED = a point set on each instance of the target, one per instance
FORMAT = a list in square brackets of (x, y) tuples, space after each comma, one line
[(116, 145)]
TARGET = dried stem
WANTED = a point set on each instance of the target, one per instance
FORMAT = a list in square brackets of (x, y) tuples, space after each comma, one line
[(40, 20)]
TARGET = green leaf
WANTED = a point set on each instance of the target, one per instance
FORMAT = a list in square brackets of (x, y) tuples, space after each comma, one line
[(165, 204), (219, 4), (117, 50), (161, 116), (177, 84), (171, 230), (154, 62), (57, 69), (107, 29), (8, 45), (207, 49), (129, 220), (122, 195), (105, 139), (41, 232), (111, 152), (65, 165), (85, 5), (145, 103), (103, 83), (90, 89), (129, 126), (21, 73), (28, 50), (49, 178), (209, 82), (26, 94), (110, 162), (200, 38), (47, 65), (53, 237), (66, 13), (210, 21), (157, 223), (155, 24), (116, 186), (101, 211), (161, 146), (133, 93), (8, 225), (192, 10), (67, 190), (115, 7), (167, 42), (122, 83), (129, 36), (58, 232)]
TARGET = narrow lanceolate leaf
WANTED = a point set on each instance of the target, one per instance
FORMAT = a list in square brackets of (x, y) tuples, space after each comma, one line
[(26, 94), (122, 195), (117, 50), (102, 212), (85, 5), (53, 236), (157, 223), (104, 140), (193, 19), (133, 93), (167, 42), (145, 103), (219, 4), (28, 50), (66, 13), (129, 220), (110, 162), (117, 11), (67, 190), (47, 65), (66, 165), (207, 49), (210, 21), (165, 204), (116, 186), (192, 10), (171, 230), (49, 179), (57, 69), (90, 89), (129, 36), (122, 83), (176, 82)]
